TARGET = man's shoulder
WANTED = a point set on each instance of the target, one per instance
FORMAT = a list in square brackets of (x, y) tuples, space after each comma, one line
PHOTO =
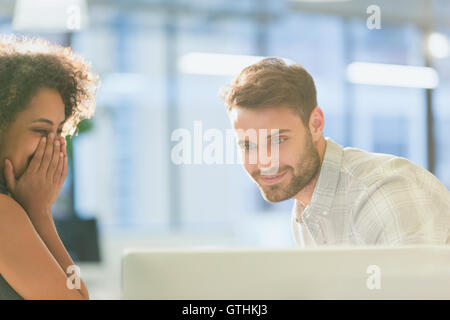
[(364, 169), (387, 183), (388, 198)]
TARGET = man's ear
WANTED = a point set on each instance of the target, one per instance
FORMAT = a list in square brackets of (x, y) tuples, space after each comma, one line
[(316, 123)]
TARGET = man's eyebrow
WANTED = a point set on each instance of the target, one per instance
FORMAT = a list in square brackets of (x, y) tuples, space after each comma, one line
[(279, 131), (47, 121)]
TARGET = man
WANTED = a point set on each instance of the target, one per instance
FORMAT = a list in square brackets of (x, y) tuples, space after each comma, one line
[(343, 196)]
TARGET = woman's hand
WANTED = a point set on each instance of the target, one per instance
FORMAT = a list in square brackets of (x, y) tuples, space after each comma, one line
[(38, 187)]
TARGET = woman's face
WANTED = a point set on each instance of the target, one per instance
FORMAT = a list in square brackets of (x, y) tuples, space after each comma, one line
[(44, 115)]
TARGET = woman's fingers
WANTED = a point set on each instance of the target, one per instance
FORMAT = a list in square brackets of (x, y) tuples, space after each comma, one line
[(48, 154), (64, 146), (59, 168), (35, 162), (64, 171), (55, 158)]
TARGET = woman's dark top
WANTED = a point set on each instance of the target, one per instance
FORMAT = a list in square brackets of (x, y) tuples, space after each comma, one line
[(6, 292)]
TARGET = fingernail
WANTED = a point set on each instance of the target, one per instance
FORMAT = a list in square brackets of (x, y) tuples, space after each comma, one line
[(57, 143), (44, 139), (61, 154), (51, 135)]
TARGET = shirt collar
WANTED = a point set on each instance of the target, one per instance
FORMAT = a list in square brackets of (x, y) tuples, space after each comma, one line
[(326, 185)]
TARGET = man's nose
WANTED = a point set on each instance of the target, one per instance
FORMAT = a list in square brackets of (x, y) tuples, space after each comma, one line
[(265, 163), (269, 167), (268, 164)]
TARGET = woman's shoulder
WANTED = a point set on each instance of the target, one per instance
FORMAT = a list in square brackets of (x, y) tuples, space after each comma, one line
[(15, 228), (11, 213), (8, 205)]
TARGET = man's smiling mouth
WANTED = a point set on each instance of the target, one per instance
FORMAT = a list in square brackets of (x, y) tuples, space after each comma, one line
[(273, 178)]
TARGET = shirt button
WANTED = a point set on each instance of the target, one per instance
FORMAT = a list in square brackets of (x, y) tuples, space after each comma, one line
[(325, 213)]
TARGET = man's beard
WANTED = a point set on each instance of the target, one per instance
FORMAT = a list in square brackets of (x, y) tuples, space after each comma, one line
[(305, 171)]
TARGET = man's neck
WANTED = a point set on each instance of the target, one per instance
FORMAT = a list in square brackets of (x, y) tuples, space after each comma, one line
[(305, 195)]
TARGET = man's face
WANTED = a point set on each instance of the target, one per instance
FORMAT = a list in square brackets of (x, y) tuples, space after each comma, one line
[(297, 160)]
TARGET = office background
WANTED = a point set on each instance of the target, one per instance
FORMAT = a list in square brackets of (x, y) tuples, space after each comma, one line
[(123, 175)]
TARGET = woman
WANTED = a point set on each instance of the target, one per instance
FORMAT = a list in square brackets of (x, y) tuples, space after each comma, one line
[(45, 90)]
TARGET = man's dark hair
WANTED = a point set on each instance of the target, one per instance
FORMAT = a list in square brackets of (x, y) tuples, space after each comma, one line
[(271, 83)]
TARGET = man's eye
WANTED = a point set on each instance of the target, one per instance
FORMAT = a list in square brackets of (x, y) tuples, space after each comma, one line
[(247, 146), (278, 140)]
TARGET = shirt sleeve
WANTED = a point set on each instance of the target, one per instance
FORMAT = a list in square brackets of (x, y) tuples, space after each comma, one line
[(401, 211)]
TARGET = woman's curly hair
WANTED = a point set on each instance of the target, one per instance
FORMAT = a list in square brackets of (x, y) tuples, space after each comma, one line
[(29, 64)]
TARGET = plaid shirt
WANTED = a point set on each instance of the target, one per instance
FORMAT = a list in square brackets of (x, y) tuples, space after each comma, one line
[(364, 198)]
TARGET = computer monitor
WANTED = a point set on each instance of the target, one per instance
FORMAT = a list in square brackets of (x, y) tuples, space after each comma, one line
[(372, 272)]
